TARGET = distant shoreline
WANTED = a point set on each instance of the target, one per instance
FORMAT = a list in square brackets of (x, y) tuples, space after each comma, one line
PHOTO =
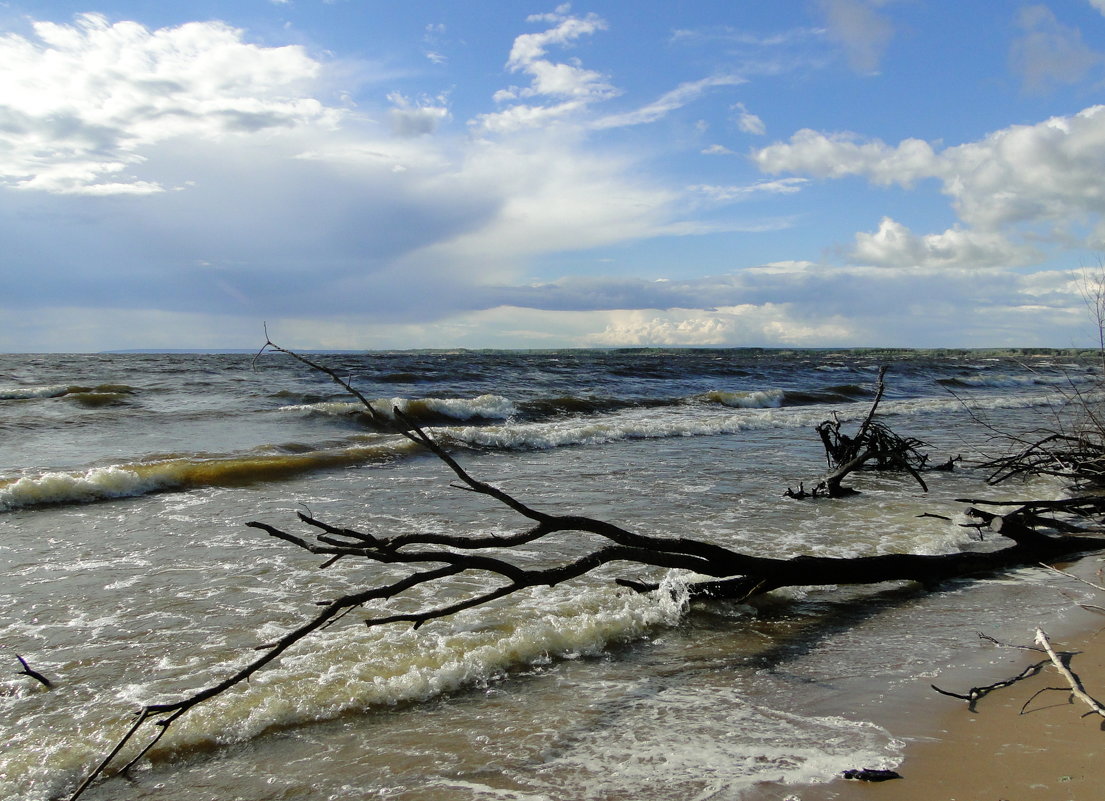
[(868, 350)]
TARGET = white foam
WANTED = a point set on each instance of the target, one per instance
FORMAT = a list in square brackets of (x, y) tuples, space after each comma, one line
[(736, 745), (96, 484), (488, 407), (326, 408), (356, 668), (761, 399), (632, 424), (27, 393)]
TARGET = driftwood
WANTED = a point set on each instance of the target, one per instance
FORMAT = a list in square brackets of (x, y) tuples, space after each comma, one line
[(976, 694), (1060, 660), (34, 674), (1078, 457), (1035, 535), (874, 445), (1062, 664)]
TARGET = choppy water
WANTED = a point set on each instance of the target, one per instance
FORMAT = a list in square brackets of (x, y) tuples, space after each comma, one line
[(129, 576)]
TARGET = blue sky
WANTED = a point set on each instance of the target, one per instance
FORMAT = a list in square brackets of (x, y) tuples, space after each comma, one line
[(364, 174)]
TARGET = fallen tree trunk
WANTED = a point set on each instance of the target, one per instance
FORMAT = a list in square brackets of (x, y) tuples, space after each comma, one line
[(434, 557)]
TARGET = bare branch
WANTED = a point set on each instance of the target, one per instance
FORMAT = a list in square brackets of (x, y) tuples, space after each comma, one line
[(1063, 666), (34, 674)]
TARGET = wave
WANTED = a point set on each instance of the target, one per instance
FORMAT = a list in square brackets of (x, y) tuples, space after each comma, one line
[(280, 462), (775, 398), (1001, 380), (355, 669), (422, 410), (183, 473), (95, 398), (79, 393), (762, 399), (29, 393)]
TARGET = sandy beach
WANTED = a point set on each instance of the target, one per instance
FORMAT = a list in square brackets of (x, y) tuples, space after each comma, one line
[(1012, 746)]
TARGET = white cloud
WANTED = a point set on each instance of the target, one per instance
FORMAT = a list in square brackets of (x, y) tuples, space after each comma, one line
[(749, 122), (859, 29), (414, 118), (676, 98), (723, 194), (81, 101), (717, 150), (529, 48), (1037, 181), (767, 324), (551, 197), (288, 209), (840, 154), (433, 39), (555, 78), (1049, 52), (1047, 172), (894, 245), (570, 85), (568, 88), (1099, 5), (521, 117)]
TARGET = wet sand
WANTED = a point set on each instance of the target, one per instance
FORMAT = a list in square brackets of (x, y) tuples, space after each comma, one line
[(1049, 751)]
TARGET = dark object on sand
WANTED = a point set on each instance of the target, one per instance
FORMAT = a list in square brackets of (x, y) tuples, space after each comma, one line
[(871, 775)]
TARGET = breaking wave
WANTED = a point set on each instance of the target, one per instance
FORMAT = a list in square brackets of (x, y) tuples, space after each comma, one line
[(763, 399), (280, 462), (60, 390), (356, 669), (143, 478), (424, 410)]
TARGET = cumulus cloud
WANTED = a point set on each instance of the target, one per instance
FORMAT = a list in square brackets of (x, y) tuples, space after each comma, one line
[(82, 101), (1049, 52), (894, 245), (857, 27), (1031, 173), (837, 155), (1039, 181), (768, 324)]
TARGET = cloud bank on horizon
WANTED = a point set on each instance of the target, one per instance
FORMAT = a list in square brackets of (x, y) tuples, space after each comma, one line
[(825, 173)]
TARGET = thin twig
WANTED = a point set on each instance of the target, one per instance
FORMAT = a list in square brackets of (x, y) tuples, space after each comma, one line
[(1071, 575)]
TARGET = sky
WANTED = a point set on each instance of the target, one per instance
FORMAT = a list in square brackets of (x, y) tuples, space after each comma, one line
[(522, 174)]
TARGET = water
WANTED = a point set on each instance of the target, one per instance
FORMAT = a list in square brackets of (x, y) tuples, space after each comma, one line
[(130, 577)]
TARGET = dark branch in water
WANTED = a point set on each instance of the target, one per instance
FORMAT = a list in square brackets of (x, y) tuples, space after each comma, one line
[(34, 674), (874, 445), (1035, 531)]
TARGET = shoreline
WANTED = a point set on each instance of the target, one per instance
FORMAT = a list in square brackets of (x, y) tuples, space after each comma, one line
[(1052, 751)]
